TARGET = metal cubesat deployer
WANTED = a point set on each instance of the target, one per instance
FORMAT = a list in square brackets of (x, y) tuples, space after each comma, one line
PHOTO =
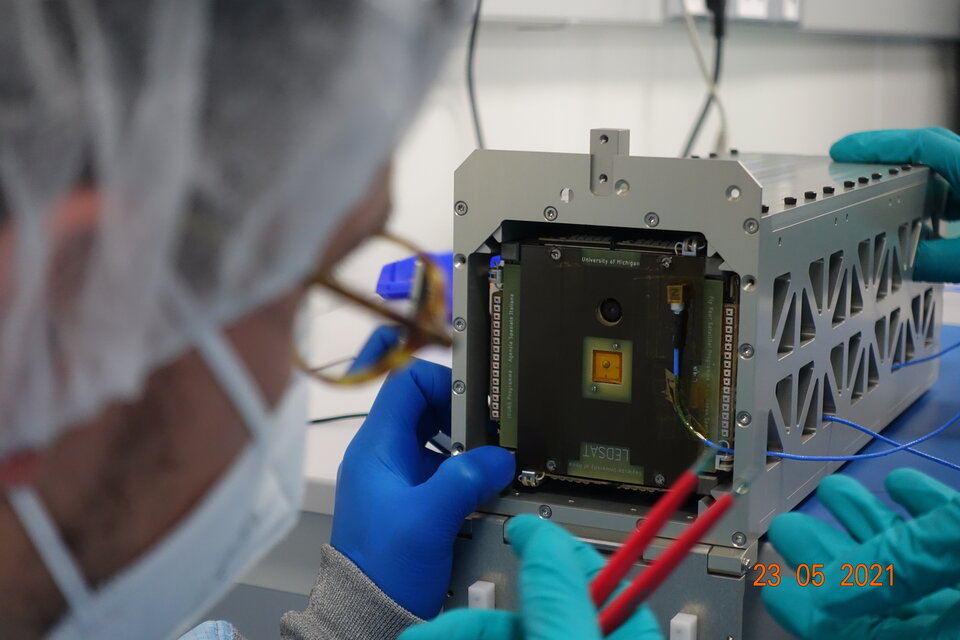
[(794, 276)]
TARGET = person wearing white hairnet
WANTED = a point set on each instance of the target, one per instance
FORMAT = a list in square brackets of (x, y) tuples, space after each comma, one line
[(171, 173)]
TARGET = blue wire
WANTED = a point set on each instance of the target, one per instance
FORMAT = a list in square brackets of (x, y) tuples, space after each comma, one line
[(884, 438), (927, 359), (860, 456)]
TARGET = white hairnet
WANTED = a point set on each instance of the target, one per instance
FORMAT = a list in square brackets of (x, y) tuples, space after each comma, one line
[(224, 138)]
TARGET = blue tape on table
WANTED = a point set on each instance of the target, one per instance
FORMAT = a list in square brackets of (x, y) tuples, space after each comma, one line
[(934, 408)]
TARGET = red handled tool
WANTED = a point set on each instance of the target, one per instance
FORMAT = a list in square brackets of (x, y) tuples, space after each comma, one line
[(604, 584)]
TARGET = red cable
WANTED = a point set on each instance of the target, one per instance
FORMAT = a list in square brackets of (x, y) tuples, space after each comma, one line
[(651, 577), (605, 582)]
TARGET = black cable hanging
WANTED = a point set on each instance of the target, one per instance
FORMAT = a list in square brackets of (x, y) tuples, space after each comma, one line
[(719, 9), (471, 84), (708, 101)]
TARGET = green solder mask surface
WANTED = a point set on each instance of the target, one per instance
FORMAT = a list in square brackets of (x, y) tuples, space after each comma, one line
[(509, 359), (563, 427), (635, 436)]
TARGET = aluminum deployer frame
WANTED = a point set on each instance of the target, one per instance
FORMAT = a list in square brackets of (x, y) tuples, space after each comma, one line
[(824, 252)]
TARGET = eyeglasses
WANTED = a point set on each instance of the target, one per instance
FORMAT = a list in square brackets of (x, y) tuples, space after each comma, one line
[(424, 324)]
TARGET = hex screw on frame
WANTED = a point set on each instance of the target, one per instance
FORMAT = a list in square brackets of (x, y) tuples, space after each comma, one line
[(744, 418), (555, 254), (550, 213), (739, 538), (746, 351), (651, 219), (459, 324), (460, 208), (551, 465), (659, 480), (594, 388), (751, 226), (545, 511), (456, 449), (459, 387)]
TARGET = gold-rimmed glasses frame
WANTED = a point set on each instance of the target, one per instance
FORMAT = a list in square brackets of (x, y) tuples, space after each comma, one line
[(425, 325)]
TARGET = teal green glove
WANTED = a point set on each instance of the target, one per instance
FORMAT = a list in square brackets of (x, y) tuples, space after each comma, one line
[(555, 571), (923, 600), (936, 147)]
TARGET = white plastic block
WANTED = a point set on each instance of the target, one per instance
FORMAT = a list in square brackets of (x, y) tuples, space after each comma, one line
[(480, 595), (753, 9), (683, 626)]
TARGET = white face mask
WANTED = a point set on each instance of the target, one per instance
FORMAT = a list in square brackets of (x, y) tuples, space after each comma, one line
[(250, 508)]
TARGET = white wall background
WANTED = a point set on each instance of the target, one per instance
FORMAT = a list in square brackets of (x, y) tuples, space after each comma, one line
[(543, 89)]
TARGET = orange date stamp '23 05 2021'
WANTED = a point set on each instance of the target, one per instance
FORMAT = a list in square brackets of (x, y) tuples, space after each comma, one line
[(812, 575)]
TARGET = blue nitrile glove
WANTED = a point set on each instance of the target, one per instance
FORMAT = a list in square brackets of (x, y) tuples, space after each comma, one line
[(399, 506), (555, 573), (924, 599), (936, 147)]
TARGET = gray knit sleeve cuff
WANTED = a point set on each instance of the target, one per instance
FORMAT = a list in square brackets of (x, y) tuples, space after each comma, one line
[(345, 605)]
